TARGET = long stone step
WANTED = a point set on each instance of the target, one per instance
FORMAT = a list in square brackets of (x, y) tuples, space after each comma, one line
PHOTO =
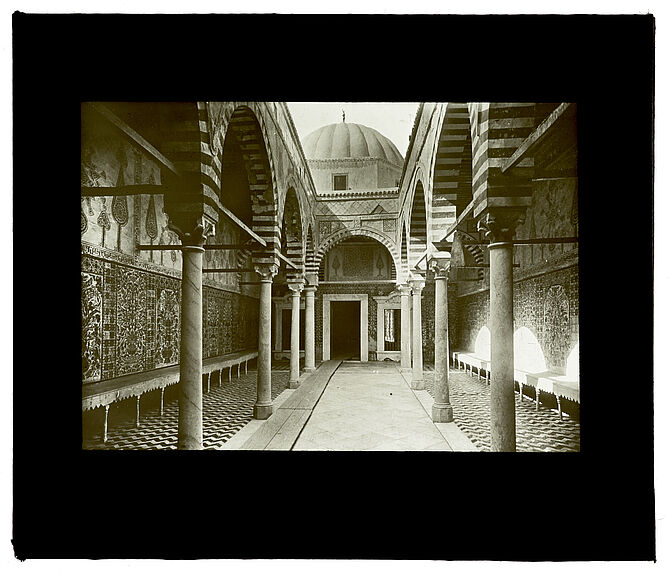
[(311, 388), (282, 429)]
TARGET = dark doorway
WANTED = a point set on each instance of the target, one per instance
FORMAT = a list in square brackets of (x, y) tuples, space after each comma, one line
[(345, 330), (286, 320)]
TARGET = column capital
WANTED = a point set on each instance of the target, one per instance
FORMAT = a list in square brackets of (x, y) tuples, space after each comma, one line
[(439, 264), (404, 289), (309, 289), (417, 283), (195, 237), (266, 272), (311, 279), (500, 224), (296, 287)]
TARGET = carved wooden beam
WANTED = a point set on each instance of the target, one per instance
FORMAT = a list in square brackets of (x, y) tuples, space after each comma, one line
[(231, 247), (478, 266), (537, 135), (105, 112), (286, 260), (123, 190), (230, 215), (547, 241), (228, 271)]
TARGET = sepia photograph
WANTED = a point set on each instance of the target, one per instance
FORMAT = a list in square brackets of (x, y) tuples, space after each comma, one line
[(285, 276)]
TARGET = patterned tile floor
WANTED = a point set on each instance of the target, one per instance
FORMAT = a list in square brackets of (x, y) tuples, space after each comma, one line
[(227, 409), (536, 431)]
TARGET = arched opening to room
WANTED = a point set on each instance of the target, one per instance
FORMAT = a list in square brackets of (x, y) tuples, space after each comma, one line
[(357, 273)]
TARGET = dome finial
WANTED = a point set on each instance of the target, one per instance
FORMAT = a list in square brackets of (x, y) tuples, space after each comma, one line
[(343, 116)]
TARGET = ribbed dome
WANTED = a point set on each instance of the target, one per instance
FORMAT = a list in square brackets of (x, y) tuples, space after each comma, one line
[(344, 140)]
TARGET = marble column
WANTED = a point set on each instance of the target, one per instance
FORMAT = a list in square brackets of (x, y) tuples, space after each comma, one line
[(499, 229), (442, 411), (190, 359), (309, 329), (263, 406), (417, 382), (405, 326), (293, 381)]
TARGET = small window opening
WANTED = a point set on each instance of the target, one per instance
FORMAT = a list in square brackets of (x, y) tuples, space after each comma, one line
[(340, 182)]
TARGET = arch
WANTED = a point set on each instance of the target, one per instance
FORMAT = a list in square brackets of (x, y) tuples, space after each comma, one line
[(290, 182), (310, 267), (382, 264), (404, 256), (292, 234), (527, 352), (572, 370), (245, 127), (418, 228), (452, 170), (342, 234)]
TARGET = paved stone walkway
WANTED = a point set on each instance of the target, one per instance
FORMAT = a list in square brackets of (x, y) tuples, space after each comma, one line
[(369, 406), (536, 431), (227, 409)]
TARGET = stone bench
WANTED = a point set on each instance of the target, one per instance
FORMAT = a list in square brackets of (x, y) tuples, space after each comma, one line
[(473, 361), (550, 382), (103, 394)]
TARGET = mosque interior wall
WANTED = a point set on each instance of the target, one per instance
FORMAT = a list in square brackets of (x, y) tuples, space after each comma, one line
[(131, 320), (131, 299), (546, 304)]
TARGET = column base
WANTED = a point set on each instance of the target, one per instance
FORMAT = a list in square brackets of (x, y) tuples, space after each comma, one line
[(442, 413), (262, 411), (293, 384), (189, 444), (417, 384), (306, 369)]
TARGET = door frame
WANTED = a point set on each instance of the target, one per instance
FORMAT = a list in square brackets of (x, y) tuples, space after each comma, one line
[(280, 304), (364, 320), (394, 302)]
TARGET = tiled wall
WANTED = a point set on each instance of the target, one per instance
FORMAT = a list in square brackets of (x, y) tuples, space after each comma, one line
[(131, 320), (547, 305)]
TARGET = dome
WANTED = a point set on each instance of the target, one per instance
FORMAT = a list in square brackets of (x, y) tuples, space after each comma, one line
[(344, 140)]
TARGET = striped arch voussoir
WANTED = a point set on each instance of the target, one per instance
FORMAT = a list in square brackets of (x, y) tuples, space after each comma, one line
[(452, 174), (247, 128)]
